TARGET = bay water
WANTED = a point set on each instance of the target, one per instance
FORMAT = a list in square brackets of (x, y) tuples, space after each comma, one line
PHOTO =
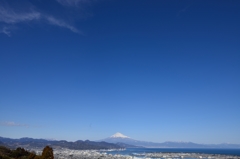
[(137, 151)]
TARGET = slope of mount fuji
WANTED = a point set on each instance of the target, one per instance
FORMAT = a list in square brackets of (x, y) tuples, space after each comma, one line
[(119, 135)]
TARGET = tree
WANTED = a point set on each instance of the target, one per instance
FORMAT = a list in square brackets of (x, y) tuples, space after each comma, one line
[(47, 153), (31, 155)]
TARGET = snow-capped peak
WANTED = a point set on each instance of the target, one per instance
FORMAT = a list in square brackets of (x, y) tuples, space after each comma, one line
[(118, 135)]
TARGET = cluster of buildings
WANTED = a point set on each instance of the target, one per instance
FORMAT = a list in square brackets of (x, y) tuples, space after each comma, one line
[(63, 153)]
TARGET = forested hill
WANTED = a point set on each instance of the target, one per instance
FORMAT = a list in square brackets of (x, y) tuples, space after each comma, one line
[(20, 153), (29, 143)]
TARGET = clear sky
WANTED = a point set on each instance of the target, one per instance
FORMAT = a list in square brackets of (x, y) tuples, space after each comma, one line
[(154, 70)]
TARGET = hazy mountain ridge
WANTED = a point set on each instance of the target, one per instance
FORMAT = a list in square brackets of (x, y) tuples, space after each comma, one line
[(113, 142), (168, 144), (41, 143)]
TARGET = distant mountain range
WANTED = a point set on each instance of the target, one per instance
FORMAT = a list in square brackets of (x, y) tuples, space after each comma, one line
[(116, 141), (120, 138), (30, 143)]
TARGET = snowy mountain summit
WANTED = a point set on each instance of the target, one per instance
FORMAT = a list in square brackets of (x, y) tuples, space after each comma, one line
[(119, 135)]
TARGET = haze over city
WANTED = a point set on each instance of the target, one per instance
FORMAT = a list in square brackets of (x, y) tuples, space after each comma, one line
[(153, 70)]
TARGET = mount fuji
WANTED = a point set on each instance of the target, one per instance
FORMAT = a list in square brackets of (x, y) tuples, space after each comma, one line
[(119, 135), (126, 141), (122, 140)]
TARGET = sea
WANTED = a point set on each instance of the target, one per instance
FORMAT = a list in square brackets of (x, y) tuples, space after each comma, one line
[(137, 151)]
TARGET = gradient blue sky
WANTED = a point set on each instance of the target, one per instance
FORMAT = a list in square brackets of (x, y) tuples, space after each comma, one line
[(154, 70)]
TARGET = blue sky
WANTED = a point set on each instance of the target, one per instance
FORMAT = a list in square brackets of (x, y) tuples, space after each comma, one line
[(152, 70)]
